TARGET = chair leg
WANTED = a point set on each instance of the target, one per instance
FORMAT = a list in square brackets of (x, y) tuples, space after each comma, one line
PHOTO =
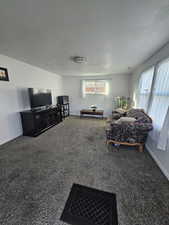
[(109, 146), (117, 146), (141, 148)]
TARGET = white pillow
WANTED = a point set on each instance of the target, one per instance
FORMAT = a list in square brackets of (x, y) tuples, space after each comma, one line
[(120, 110), (126, 120)]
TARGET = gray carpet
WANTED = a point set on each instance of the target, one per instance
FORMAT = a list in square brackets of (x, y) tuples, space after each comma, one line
[(36, 175)]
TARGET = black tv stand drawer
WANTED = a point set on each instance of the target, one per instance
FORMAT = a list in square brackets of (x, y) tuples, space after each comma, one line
[(36, 122)]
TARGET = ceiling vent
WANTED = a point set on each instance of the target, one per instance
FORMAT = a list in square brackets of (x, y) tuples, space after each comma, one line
[(78, 59)]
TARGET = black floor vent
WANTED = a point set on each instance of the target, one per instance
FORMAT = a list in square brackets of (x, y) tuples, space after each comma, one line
[(88, 206)]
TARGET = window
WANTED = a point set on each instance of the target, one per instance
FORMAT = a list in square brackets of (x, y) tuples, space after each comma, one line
[(145, 88), (160, 95), (95, 87), (154, 93)]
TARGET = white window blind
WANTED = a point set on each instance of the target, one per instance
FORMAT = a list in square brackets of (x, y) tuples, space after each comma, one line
[(95, 87), (160, 95), (145, 88)]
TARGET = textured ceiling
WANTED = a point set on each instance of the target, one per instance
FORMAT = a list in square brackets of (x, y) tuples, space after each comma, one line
[(112, 34)]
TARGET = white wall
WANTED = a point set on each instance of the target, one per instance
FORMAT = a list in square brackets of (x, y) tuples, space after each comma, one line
[(161, 157), (119, 86), (14, 95)]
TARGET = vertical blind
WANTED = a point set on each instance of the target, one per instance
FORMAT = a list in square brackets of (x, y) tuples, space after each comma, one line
[(154, 93), (160, 95), (145, 88)]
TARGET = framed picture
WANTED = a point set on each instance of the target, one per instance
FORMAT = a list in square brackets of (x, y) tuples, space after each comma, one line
[(4, 74)]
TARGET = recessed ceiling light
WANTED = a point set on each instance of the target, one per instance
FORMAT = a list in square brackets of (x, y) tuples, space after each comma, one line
[(78, 59)]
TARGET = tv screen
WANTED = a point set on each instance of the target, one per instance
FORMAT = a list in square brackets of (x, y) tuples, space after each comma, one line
[(40, 97)]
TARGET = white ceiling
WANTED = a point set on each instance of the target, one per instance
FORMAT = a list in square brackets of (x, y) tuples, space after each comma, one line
[(112, 34)]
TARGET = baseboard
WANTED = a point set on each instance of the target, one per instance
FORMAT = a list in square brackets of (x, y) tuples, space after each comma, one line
[(10, 140), (162, 168), (74, 114)]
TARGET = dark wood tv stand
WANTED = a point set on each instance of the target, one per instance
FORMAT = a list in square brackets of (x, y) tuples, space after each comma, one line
[(35, 122)]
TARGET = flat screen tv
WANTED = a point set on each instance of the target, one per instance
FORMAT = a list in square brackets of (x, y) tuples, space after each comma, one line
[(40, 97)]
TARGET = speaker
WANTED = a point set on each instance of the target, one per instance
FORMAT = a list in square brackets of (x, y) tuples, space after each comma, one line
[(61, 100)]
